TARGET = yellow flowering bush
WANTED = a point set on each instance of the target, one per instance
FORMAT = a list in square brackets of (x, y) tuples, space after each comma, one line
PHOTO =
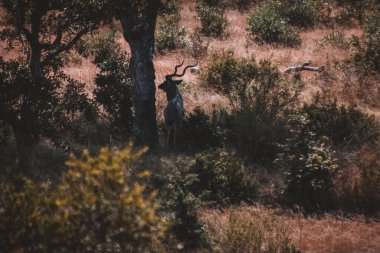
[(99, 205)]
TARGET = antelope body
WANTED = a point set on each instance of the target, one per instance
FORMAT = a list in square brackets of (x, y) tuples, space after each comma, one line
[(174, 110)]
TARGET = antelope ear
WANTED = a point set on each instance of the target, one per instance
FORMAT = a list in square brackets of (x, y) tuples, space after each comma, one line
[(177, 82)]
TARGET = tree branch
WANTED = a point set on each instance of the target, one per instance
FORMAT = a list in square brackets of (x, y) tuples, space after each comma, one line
[(304, 67), (68, 45)]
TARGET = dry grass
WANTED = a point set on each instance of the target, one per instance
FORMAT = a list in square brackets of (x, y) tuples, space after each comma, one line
[(332, 234), (247, 229), (237, 39), (335, 234)]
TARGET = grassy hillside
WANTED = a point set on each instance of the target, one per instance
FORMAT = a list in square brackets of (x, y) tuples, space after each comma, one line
[(266, 160)]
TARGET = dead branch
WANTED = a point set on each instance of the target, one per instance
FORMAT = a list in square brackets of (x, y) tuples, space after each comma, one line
[(303, 67)]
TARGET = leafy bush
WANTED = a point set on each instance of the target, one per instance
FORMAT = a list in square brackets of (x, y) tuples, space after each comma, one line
[(198, 132), (266, 25), (170, 35), (300, 13), (309, 165), (221, 178), (213, 178), (212, 19), (367, 54), (114, 88), (355, 9), (97, 132), (38, 109), (169, 7), (184, 204), (250, 230), (96, 207), (342, 125), (260, 97), (229, 76), (241, 4), (217, 3)]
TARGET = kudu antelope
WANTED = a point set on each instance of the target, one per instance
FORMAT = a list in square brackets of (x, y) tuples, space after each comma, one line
[(174, 110)]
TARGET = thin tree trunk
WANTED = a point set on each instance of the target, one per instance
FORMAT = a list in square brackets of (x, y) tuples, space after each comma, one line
[(26, 143), (141, 40)]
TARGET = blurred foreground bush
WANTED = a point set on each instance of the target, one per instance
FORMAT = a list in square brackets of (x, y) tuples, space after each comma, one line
[(98, 206)]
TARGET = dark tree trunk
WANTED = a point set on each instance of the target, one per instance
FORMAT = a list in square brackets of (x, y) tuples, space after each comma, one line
[(145, 90), (140, 36), (26, 143)]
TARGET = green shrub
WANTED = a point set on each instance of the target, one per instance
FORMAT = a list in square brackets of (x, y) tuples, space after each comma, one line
[(198, 132), (266, 25), (367, 55), (217, 3), (260, 97), (213, 178), (184, 204), (97, 132), (229, 76), (97, 206), (241, 4), (170, 35), (355, 9), (169, 7), (309, 166), (213, 22), (300, 13), (221, 178), (247, 229), (345, 126), (113, 84)]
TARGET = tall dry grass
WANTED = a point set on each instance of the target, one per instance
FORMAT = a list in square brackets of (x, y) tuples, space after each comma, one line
[(247, 230), (331, 233)]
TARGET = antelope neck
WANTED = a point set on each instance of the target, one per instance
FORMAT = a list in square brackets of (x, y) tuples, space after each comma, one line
[(172, 94)]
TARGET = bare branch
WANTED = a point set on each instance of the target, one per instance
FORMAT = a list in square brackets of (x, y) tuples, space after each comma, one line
[(304, 67), (68, 45)]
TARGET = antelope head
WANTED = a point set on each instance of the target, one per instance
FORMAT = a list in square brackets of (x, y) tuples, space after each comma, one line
[(170, 85)]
